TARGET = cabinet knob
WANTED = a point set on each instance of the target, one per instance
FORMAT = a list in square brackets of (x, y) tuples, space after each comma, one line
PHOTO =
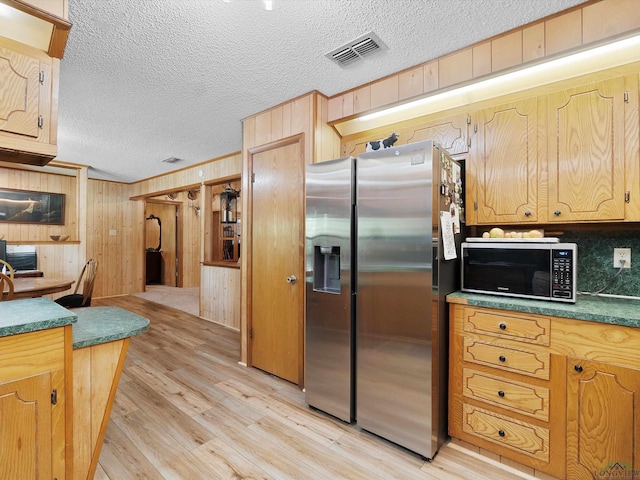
[(501, 433), (502, 358), (527, 213), (501, 394), (503, 326), (578, 368), (557, 213)]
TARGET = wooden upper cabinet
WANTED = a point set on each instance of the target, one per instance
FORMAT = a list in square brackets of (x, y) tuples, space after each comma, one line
[(452, 133), (27, 103), (603, 419), (503, 171), (586, 160), (20, 87)]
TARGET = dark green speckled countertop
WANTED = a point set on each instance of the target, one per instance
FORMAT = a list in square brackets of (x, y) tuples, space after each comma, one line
[(105, 324), (32, 314), (91, 326), (616, 311)]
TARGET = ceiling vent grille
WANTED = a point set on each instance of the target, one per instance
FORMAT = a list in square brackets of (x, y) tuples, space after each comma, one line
[(362, 46), (172, 160)]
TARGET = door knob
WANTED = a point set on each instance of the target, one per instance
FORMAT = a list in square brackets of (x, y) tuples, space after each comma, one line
[(291, 279)]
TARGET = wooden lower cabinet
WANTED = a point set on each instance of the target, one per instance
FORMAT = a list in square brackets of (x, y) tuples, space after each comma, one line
[(557, 395), (603, 420), (502, 387), (32, 405), (25, 428)]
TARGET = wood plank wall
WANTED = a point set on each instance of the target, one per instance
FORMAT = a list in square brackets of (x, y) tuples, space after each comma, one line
[(572, 29), (115, 227)]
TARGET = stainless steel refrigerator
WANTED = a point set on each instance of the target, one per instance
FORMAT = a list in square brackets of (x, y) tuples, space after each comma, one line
[(399, 279)]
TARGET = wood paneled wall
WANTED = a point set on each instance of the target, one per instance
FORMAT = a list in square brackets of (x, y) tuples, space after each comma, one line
[(220, 295), (110, 209), (575, 28), (115, 227)]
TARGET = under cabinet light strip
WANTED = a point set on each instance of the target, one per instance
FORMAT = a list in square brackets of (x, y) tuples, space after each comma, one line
[(587, 61)]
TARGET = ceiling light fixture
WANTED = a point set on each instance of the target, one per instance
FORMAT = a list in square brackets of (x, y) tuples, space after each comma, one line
[(595, 59)]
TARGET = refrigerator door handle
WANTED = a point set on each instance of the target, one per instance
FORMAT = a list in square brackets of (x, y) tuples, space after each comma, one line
[(291, 279)]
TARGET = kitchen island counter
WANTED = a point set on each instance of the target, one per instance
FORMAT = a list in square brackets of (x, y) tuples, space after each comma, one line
[(614, 311), (31, 315), (97, 325)]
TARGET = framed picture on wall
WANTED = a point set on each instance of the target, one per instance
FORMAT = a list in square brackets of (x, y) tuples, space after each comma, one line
[(22, 206)]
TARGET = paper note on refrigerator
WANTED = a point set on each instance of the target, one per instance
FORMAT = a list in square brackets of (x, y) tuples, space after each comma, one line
[(448, 239)]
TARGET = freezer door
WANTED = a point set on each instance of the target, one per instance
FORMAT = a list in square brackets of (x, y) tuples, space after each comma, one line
[(329, 332), (394, 299)]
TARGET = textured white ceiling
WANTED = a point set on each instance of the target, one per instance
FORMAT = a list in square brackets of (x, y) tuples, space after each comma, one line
[(144, 80)]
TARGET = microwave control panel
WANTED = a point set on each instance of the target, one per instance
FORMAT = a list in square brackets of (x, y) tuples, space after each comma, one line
[(562, 274)]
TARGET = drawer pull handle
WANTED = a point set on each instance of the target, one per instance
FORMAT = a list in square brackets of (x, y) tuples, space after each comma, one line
[(578, 368), (502, 358), (501, 433), (501, 394), (503, 326)]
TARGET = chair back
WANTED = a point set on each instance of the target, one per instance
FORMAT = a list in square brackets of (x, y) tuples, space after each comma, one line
[(6, 282), (87, 279), (4, 265)]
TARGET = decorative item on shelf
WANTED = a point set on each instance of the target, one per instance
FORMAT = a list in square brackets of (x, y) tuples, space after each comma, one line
[(229, 204), (382, 143), (58, 238)]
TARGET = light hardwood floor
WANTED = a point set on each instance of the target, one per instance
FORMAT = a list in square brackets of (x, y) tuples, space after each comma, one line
[(186, 410)]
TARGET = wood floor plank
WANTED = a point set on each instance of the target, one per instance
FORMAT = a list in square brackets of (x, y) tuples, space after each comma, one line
[(225, 462), (122, 459), (185, 409)]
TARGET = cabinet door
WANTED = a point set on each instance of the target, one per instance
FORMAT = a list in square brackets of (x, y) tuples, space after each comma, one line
[(504, 167), (451, 133), (586, 152), (19, 93), (603, 420), (25, 428)]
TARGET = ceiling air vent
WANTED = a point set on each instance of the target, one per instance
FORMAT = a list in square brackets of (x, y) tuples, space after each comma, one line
[(356, 49), (172, 160)]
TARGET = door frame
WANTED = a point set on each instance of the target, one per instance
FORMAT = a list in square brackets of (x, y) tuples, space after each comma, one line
[(247, 234), (179, 239)]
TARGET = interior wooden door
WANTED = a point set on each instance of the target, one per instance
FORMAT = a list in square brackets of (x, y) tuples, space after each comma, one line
[(277, 300)]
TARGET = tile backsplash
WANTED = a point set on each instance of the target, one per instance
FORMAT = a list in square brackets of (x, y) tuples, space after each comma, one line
[(595, 261)]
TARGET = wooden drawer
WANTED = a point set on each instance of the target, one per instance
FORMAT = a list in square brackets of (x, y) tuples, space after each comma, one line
[(511, 325), (506, 393), (525, 362), (27, 354), (522, 437)]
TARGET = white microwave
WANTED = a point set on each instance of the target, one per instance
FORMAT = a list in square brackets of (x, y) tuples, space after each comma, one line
[(542, 269)]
